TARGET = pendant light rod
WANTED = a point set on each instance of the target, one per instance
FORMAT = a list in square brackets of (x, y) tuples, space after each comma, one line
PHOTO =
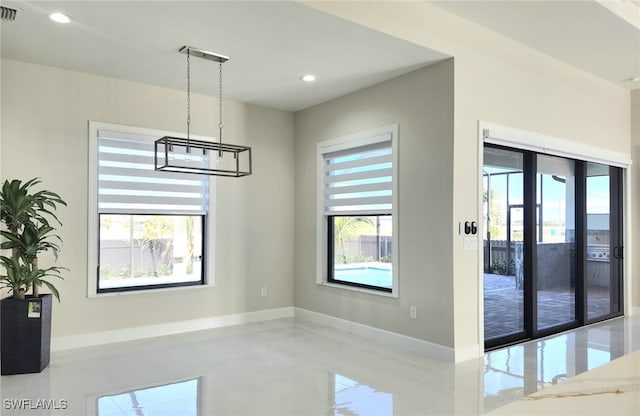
[(188, 98), (220, 107)]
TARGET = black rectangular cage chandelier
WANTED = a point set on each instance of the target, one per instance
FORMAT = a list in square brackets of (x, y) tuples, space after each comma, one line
[(187, 155)]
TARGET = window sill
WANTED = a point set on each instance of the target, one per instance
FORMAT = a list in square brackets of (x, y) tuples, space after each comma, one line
[(392, 294), (149, 291)]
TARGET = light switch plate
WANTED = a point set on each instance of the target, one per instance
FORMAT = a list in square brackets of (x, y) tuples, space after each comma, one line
[(470, 243)]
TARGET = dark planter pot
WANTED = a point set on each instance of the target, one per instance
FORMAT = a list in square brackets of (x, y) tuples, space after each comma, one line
[(25, 334)]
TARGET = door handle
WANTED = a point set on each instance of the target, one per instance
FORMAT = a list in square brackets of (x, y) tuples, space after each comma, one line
[(618, 252)]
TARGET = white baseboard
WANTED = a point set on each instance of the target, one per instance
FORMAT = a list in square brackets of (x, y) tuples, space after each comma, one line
[(170, 328), (469, 353), (428, 349)]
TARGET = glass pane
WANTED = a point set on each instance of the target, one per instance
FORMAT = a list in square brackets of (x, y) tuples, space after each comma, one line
[(598, 265), (149, 250), (556, 271), (363, 251), (503, 243)]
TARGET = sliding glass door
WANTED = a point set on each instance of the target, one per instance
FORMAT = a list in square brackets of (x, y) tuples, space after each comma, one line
[(503, 244), (603, 266), (556, 241), (553, 244)]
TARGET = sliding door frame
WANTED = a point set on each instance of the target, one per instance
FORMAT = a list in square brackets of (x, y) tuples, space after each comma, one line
[(617, 222)]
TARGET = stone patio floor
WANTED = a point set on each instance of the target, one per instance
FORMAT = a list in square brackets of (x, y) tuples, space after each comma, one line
[(503, 307)]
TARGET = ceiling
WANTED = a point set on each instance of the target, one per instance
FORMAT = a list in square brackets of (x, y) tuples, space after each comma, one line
[(601, 37), (272, 44)]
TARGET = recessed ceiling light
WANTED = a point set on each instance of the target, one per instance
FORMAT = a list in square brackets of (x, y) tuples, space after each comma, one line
[(308, 78), (59, 17)]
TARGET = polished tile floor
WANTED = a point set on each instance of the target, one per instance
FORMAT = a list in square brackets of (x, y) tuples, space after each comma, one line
[(292, 367)]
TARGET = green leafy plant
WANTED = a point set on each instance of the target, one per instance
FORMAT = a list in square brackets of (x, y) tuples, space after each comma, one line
[(106, 272), (359, 258), (499, 267), (28, 217), (20, 276), (125, 271)]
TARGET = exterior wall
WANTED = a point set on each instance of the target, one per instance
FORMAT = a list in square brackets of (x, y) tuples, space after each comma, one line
[(45, 113), (421, 103), (501, 81)]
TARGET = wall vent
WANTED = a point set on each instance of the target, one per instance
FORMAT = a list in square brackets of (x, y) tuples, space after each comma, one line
[(8, 13)]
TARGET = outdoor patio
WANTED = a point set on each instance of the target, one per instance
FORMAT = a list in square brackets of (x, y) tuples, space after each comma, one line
[(503, 308)]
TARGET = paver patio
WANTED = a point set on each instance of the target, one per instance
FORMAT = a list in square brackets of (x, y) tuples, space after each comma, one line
[(503, 305)]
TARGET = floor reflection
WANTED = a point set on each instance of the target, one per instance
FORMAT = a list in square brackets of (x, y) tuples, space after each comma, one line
[(288, 367), (174, 399), (351, 397), (515, 372)]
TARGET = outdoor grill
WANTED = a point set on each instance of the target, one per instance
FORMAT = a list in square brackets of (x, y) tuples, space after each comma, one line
[(598, 252)]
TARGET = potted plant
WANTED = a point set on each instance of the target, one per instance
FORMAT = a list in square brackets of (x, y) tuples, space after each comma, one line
[(25, 319)]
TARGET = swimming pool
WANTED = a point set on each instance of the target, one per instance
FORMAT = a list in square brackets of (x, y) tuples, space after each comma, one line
[(374, 276)]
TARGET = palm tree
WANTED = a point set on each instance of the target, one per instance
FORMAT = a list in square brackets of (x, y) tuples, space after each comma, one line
[(155, 229), (346, 227)]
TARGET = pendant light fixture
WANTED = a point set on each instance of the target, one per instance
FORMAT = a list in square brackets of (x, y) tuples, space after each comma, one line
[(177, 154)]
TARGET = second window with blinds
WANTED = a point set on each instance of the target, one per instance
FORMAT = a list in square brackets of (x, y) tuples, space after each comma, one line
[(151, 224), (358, 180)]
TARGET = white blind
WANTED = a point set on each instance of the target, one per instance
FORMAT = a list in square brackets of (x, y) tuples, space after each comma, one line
[(129, 184), (359, 180)]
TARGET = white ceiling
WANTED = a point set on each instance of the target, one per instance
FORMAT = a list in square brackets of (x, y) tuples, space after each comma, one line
[(271, 44), (601, 37)]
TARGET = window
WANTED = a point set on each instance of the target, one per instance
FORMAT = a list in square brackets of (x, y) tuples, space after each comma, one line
[(357, 202), (151, 225)]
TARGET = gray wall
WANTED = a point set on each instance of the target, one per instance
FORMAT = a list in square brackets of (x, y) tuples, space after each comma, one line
[(421, 103), (45, 114), (501, 81)]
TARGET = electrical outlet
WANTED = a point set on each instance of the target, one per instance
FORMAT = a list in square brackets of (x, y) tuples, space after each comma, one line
[(263, 291), (413, 314)]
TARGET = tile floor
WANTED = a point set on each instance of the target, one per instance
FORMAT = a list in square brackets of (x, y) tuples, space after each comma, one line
[(612, 389), (292, 367)]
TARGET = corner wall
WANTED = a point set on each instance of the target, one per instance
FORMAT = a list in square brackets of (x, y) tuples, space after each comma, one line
[(45, 113), (635, 199), (501, 81), (421, 103)]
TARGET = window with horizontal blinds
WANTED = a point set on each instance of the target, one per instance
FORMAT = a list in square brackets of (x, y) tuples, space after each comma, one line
[(357, 200), (359, 180), (128, 182)]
